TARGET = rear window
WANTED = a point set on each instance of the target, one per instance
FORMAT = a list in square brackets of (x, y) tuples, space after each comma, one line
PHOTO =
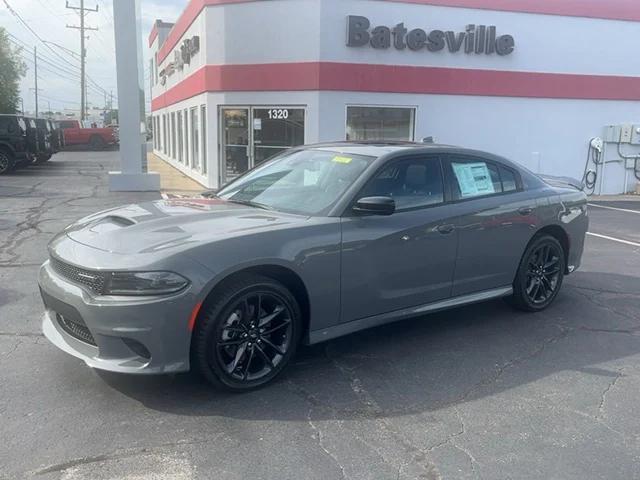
[(65, 124), (474, 178), (509, 179)]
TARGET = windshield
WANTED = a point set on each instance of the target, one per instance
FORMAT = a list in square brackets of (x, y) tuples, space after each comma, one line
[(32, 123), (307, 182)]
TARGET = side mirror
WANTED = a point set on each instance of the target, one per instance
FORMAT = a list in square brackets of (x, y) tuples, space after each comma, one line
[(375, 206)]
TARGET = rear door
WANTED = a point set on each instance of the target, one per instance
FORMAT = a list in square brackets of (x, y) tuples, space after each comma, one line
[(405, 259), (494, 217)]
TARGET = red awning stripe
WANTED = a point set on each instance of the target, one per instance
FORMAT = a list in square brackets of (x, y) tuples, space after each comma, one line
[(359, 77)]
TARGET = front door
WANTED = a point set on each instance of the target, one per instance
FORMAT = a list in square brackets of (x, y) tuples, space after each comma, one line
[(403, 260), (235, 142), (251, 135)]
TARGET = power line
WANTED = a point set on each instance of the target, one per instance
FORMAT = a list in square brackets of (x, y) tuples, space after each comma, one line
[(33, 32), (60, 70), (83, 51)]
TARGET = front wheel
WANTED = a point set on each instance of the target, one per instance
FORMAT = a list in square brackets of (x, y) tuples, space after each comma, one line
[(249, 335), (7, 162), (540, 275)]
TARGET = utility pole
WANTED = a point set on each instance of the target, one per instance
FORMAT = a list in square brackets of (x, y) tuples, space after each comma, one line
[(35, 74), (83, 52)]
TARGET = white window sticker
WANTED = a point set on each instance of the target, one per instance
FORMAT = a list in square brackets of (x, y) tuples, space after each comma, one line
[(474, 179)]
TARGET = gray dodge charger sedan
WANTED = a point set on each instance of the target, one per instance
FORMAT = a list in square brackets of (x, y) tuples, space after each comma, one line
[(319, 242)]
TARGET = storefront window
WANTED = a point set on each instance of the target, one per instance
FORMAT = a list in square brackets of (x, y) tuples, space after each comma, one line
[(195, 139), (380, 123), (203, 119), (164, 133), (185, 116), (180, 141), (173, 135)]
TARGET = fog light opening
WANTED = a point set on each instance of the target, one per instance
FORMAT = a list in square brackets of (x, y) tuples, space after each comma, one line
[(137, 348)]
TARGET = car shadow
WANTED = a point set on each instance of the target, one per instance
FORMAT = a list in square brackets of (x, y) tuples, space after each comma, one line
[(426, 363)]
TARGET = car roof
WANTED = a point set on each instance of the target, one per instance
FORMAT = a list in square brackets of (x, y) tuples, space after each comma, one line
[(372, 148), (380, 148)]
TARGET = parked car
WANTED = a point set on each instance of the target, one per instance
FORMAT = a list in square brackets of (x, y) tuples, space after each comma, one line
[(96, 138), (45, 140), (14, 145), (319, 242)]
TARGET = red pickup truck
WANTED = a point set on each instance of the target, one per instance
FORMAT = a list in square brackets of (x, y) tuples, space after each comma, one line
[(96, 138)]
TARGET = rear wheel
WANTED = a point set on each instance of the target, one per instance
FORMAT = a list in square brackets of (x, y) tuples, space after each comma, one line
[(97, 143), (7, 162), (249, 335), (540, 274)]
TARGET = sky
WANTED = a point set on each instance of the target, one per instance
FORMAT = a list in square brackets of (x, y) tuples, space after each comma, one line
[(58, 71)]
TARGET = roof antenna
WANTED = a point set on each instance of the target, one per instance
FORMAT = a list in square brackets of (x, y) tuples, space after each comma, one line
[(429, 140)]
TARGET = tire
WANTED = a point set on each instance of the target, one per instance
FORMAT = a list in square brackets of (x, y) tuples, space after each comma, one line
[(43, 158), (7, 162), (236, 350), (97, 143), (540, 274)]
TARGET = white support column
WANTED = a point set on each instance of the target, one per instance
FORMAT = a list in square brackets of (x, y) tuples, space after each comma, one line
[(131, 115)]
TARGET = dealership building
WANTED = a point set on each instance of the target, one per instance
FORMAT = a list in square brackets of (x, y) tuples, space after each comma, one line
[(551, 84)]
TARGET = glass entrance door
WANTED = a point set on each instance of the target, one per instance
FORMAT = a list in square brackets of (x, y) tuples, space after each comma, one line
[(275, 130), (235, 142), (251, 135)]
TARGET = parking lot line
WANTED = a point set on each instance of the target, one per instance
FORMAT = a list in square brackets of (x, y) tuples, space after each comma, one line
[(614, 208), (619, 240)]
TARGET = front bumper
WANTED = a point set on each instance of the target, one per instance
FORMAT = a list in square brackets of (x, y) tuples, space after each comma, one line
[(118, 326)]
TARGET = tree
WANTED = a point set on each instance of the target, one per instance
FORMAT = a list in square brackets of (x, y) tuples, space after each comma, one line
[(12, 69)]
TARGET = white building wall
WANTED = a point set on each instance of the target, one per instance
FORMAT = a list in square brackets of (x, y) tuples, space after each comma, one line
[(546, 135)]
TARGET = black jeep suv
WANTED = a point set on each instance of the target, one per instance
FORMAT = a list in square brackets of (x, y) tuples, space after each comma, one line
[(14, 148)]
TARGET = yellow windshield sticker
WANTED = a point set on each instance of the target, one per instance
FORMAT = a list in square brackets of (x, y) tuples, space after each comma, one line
[(342, 159)]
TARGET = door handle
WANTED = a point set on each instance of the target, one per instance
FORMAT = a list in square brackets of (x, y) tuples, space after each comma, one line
[(446, 229), (524, 211)]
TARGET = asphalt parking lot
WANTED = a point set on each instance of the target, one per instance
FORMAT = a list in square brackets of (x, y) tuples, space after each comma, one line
[(480, 392)]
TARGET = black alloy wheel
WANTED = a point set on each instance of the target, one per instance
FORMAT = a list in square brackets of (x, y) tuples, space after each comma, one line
[(6, 162), (543, 274), (249, 336), (540, 275)]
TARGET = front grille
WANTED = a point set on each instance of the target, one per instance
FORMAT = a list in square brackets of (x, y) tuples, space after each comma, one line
[(90, 279), (76, 328)]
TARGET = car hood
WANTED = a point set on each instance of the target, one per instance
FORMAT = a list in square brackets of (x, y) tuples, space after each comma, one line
[(163, 224)]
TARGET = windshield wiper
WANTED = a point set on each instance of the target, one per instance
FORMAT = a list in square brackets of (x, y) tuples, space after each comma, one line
[(249, 203)]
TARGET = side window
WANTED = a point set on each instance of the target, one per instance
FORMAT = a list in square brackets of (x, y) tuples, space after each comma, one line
[(12, 126), (4, 125), (472, 178), (412, 183), (509, 179)]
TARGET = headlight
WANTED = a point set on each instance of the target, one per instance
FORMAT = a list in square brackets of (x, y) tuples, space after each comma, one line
[(143, 283)]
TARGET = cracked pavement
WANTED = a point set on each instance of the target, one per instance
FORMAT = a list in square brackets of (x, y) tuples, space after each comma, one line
[(482, 392)]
